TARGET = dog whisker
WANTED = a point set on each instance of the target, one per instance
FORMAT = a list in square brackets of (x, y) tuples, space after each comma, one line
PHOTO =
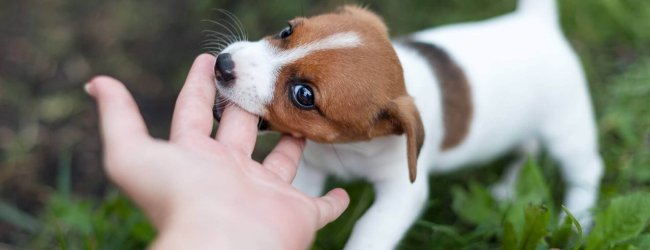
[(232, 27), (229, 30), (211, 42), (228, 38), (215, 41), (216, 50), (237, 22), (213, 46), (232, 22), (221, 102), (221, 37)]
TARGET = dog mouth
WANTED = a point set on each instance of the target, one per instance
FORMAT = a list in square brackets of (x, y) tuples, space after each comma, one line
[(220, 105)]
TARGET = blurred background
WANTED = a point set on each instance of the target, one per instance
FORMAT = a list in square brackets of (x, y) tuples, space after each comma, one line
[(53, 193)]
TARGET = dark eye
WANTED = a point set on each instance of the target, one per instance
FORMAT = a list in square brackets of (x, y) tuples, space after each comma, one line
[(286, 32), (302, 96)]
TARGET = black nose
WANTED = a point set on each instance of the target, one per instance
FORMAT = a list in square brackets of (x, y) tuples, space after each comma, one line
[(224, 69)]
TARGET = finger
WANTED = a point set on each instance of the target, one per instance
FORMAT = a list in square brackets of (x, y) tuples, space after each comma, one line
[(332, 205), (193, 111), (238, 129), (120, 119), (284, 159)]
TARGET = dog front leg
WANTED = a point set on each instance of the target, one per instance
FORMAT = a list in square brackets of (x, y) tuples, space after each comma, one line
[(309, 180), (397, 204)]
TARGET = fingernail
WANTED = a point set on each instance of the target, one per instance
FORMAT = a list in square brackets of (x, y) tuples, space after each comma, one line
[(88, 88)]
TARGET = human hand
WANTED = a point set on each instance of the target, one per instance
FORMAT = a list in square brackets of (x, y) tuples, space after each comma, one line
[(203, 192)]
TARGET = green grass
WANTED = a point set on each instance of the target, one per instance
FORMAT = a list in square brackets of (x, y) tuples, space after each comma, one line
[(81, 224), (611, 37), (108, 222)]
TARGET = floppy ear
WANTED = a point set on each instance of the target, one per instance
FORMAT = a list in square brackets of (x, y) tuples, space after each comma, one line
[(405, 118)]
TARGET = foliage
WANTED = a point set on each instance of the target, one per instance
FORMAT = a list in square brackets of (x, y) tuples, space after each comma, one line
[(620, 225), (69, 223), (77, 224)]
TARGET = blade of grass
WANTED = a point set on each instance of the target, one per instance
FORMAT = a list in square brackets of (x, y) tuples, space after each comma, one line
[(18, 218), (578, 227), (63, 182)]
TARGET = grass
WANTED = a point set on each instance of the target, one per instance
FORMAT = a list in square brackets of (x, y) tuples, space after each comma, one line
[(60, 209)]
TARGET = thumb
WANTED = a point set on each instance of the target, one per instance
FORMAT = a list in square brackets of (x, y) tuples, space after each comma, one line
[(119, 115), (122, 126), (332, 205)]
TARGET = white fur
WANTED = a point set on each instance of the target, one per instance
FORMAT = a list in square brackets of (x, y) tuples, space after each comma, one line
[(255, 74), (335, 41), (257, 65), (527, 86)]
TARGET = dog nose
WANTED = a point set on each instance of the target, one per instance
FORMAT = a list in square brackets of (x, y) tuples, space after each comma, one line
[(224, 69)]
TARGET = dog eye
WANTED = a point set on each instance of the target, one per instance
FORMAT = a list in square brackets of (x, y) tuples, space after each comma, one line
[(286, 32), (302, 96)]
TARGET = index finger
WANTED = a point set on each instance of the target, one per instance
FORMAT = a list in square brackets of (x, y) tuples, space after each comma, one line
[(193, 111), (238, 129)]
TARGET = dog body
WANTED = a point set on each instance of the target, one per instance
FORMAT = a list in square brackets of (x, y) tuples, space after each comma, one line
[(481, 90), (526, 85)]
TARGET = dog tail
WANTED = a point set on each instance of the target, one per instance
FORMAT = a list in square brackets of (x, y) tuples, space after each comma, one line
[(542, 8)]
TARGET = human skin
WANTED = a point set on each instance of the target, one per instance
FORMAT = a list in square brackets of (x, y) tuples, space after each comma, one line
[(202, 192)]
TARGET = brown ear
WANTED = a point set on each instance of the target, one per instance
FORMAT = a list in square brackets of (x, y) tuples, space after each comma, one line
[(366, 14), (406, 119)]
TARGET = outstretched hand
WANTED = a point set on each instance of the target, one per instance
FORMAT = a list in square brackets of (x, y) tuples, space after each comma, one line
[(204, 192)]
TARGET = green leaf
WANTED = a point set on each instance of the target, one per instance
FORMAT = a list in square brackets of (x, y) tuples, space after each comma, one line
[(560, 237), (530, 189), (625, 218), (449, 231), (509, 241), (531, 186), (476, 205), (641, 242), (536, 219)]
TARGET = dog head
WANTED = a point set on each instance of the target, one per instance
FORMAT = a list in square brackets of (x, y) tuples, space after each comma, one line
[(330, 78)]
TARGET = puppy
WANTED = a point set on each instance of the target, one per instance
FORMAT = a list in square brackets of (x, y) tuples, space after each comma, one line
[(432, 102)]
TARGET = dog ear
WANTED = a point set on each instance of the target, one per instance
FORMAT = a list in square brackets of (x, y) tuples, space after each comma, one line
[(405, 118), (363, 12)]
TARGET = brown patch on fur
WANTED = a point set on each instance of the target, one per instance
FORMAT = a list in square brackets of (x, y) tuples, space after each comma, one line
[(359, 92), (405, 117), (455, 91)]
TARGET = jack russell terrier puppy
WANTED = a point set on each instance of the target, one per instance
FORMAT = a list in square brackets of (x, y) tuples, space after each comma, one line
[(432, 102)]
